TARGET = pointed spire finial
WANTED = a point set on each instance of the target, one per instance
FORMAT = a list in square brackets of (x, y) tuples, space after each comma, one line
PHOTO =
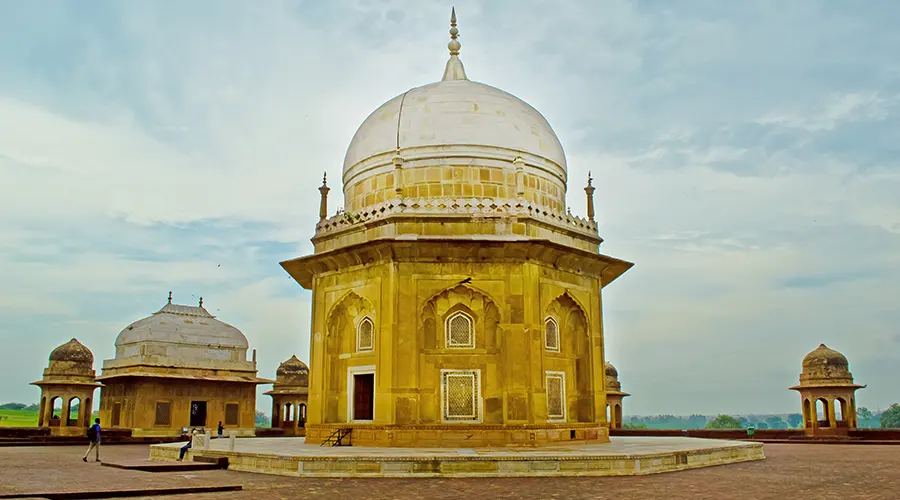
[(201, 301), (454, 44), (590, 179), (170, 297), (324, 179), (454, 69)]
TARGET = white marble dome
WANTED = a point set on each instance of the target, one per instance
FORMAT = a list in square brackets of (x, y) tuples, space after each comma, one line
[(455, 120), (458, 113), (182, 328)]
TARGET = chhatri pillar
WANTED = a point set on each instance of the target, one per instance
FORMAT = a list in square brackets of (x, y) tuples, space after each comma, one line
[(70, 379), (614, 396), (289, 396), (456, 302), (826, 387)]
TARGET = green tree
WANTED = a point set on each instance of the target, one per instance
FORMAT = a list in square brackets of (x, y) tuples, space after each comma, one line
[(634, 426), (262, 420), (724, 422), (762, 425), (795, 420), (890, 418), (863, 413), (775, 422)]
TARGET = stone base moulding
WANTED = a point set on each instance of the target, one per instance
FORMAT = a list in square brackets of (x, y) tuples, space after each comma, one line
[(461, 435), (623, 456)]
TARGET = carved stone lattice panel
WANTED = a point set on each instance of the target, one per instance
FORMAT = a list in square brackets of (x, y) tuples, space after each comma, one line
[(365, 335), (556, 396), (163, 413), (551, 335), (460, 395), (460, 331)]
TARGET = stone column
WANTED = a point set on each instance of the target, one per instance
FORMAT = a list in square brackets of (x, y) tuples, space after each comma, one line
[(64, 416), (832, 419), (296, 416), (520, 176)]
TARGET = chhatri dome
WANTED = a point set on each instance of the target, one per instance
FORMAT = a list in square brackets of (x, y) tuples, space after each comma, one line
[(827, 388), (73, 351), (68, 379), (289, 396), (455, 299), (825, 364)]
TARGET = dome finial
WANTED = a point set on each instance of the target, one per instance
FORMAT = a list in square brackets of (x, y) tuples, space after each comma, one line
[(454, 69), (201, 301), (454, 44), (170, 297)]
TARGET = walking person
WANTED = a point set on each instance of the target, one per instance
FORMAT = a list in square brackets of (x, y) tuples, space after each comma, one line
[(221, 429), (93, 435)]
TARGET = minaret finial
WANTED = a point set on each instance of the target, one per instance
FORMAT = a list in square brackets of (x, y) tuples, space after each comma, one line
[(454, 69), (170, 297)]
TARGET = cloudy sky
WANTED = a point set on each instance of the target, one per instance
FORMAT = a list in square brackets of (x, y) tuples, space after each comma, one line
[(746, 154)]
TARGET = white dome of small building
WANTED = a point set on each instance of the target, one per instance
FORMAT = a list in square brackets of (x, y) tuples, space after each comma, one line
[(182, 331)]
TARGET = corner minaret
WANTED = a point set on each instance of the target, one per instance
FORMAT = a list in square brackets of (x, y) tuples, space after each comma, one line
[(589, 190), (323, 203), (454, 69)]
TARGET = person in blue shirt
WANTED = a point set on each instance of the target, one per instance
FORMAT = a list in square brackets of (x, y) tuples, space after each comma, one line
[(93, 435)]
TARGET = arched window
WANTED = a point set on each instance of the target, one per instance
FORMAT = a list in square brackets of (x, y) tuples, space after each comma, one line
[(460, 331), (365, 335), (551, 335)]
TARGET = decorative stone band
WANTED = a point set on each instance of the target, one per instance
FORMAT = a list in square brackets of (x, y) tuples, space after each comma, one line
[(461, 435), (486, 207)]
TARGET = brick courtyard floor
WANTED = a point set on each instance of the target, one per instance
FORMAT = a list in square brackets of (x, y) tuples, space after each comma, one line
[(791, 471)]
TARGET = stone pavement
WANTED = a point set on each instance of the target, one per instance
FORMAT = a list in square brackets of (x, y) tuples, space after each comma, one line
[(791, 471)]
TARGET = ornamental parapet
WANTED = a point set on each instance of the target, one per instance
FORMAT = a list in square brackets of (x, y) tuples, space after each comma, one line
[(474, 207)]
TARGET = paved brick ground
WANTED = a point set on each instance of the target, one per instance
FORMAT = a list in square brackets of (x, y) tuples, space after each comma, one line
[(792, 471)]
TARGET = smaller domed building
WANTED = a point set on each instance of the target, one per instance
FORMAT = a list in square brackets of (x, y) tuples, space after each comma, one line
[(289, 397), (180, 368), (69, 377), (826, 387), (614, 397)]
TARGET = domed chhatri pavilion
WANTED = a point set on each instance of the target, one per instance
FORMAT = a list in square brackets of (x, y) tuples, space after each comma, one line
[(69, 378), (456, 301), (614, 396), (289, 395), (178, 368), (826, 387)]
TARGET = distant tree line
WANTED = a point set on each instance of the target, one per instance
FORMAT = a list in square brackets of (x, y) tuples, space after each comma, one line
[(889, 418), (20, 406)]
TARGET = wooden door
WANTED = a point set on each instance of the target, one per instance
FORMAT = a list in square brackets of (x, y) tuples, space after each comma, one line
[(363, 396)]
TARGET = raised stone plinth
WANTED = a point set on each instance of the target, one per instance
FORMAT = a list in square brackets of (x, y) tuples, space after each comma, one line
[(622, 456)]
